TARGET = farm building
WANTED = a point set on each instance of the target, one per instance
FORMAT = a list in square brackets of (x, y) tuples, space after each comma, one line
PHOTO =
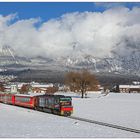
[(127, 88)]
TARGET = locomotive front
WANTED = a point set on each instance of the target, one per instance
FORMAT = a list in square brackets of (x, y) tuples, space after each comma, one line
[(66, 106)]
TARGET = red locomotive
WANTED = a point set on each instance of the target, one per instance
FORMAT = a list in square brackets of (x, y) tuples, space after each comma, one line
[(56, 104)]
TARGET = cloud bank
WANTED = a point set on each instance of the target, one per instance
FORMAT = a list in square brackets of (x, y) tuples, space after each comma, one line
[(94, 33)]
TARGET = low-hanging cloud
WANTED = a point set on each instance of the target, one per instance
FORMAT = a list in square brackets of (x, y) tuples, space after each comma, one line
[(94, 33)]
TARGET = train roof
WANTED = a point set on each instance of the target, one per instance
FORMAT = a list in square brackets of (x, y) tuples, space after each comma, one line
[(29, 95), (40, 95), (56, 96)]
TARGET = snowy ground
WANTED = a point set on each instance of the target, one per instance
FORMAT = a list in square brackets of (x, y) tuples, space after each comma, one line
[(122, 109), (116, 108)]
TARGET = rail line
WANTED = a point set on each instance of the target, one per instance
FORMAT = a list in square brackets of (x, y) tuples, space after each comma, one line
[(106, 124)]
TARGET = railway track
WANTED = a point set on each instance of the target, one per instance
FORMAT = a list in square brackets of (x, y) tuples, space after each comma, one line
[(106, 124)]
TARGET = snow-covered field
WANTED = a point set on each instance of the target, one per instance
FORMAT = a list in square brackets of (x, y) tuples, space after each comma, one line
[(121, 109), (117, 108)]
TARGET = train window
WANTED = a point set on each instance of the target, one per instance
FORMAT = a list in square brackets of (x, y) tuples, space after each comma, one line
[(9, 97), (65, 99), (56, 101), (50, 101), (46, 101), (41, 100), (22, 99)]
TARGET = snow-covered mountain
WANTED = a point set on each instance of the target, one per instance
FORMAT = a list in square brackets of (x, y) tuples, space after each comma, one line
[(124, 64)]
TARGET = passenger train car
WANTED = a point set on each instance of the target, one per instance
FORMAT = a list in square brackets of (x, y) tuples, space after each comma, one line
[(56, 104), (25, 100), (7, 98)]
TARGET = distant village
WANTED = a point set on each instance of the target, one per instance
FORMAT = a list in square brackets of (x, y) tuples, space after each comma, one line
[(50, 88), (21, 87), (32, 87), (6, 78)]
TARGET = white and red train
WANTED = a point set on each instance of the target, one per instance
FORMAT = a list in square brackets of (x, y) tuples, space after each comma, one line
[(56, 104)]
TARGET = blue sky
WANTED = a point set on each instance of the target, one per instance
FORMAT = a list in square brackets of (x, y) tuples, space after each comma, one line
[(48, 10)]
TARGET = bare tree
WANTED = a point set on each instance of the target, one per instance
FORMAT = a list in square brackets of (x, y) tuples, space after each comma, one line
[(51, 90), (81, 82), (25, 88)]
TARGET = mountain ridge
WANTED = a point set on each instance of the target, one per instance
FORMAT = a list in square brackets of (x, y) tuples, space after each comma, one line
[(117, 63)]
